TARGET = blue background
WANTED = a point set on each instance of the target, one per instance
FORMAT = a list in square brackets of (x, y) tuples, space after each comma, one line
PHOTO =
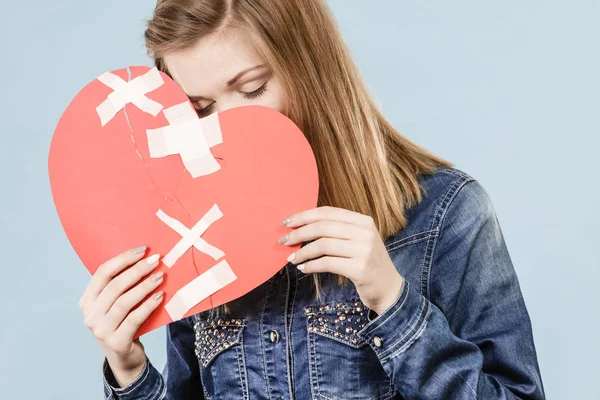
[(509, 91)]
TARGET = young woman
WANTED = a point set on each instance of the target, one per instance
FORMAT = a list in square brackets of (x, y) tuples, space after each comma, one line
[(404, 288)]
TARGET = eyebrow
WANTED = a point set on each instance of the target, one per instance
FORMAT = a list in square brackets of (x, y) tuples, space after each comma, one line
[(231, 82)]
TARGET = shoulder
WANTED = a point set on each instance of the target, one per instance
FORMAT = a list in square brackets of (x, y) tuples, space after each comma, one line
[(450, 196)]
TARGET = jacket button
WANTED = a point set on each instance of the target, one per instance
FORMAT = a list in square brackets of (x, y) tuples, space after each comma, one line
[(274, 336), (378, 341)]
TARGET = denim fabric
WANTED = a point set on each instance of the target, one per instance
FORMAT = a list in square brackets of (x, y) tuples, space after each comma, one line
[(458, 330)]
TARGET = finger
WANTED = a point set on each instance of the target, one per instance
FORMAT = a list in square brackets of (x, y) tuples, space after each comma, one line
[(107, 271), (335, 265), (327, 213), (320, 229), (323, 247), (126, 302), (136, 318), (123, 282)]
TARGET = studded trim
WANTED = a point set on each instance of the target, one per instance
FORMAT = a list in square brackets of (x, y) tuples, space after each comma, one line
[(338, 320), (216, 336)]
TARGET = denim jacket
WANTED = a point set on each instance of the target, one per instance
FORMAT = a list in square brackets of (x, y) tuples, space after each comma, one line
[(458, 330)]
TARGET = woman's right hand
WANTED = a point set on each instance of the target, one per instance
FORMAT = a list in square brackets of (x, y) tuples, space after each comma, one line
[(107, 305)]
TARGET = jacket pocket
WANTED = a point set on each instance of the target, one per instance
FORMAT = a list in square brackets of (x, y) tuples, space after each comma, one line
[(215, 336), (342, 364), (219, 347)]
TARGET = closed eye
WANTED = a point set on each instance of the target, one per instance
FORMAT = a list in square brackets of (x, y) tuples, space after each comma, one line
[(202, 112), (255, 94)]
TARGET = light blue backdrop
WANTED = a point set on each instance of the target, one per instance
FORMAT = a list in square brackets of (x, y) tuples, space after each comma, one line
[(507, 90)]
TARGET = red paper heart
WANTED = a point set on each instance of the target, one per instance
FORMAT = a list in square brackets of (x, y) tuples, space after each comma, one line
[(107, 190)]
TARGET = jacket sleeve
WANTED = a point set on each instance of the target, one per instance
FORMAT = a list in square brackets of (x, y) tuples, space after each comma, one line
[(476, 341), (180, 379)]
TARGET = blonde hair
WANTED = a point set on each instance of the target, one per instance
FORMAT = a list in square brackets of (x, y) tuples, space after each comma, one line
[(364, 164)]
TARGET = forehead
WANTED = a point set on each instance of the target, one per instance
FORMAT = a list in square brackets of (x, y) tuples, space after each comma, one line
[(205, 68)]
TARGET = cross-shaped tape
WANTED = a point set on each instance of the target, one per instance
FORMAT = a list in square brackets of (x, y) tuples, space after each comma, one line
[(182, 230), (189, 137), (133, 92), (190, 236)]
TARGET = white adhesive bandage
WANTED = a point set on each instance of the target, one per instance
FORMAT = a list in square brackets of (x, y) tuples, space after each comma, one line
[(133, 91), (182, 230), (190, 236), (186, 135), (199, 289), (212, 129)]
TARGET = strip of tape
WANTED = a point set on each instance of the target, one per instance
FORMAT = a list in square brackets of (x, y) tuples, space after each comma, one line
[(212, 129), (133, 91), (186, 135), (200, 288), (182, 230), (191, 236), (184, 112)]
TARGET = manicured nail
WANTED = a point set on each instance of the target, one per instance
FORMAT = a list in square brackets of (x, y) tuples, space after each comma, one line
[(291, 257), (152, 260), (300, 267), (139, 250), (286, 221), (157, 277), (158, 296), (284, 239)]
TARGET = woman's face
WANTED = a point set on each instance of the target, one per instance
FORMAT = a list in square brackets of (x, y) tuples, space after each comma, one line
[(224, 71)]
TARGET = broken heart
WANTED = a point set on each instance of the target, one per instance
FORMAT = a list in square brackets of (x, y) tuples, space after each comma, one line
[(130, 164)]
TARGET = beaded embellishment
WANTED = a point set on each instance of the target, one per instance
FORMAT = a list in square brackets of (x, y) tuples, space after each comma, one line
[(338, 320), (214, 336)]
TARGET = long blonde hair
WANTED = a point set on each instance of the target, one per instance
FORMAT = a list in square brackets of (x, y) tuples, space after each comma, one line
[(364, 164)]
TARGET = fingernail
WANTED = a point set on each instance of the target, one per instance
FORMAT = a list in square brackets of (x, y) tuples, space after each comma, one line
[(139, 250), (291, 257), (152, 260), (286, 221), (158, 276), (300, 267), (284, 239), (158, 296)]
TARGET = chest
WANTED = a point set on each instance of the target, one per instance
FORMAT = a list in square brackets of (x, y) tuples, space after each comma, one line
[(281, 341)]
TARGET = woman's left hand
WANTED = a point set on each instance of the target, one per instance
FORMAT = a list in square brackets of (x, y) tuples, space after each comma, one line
[(345, 243)]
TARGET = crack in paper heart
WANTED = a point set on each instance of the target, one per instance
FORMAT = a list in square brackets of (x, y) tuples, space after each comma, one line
[(137, 151)]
